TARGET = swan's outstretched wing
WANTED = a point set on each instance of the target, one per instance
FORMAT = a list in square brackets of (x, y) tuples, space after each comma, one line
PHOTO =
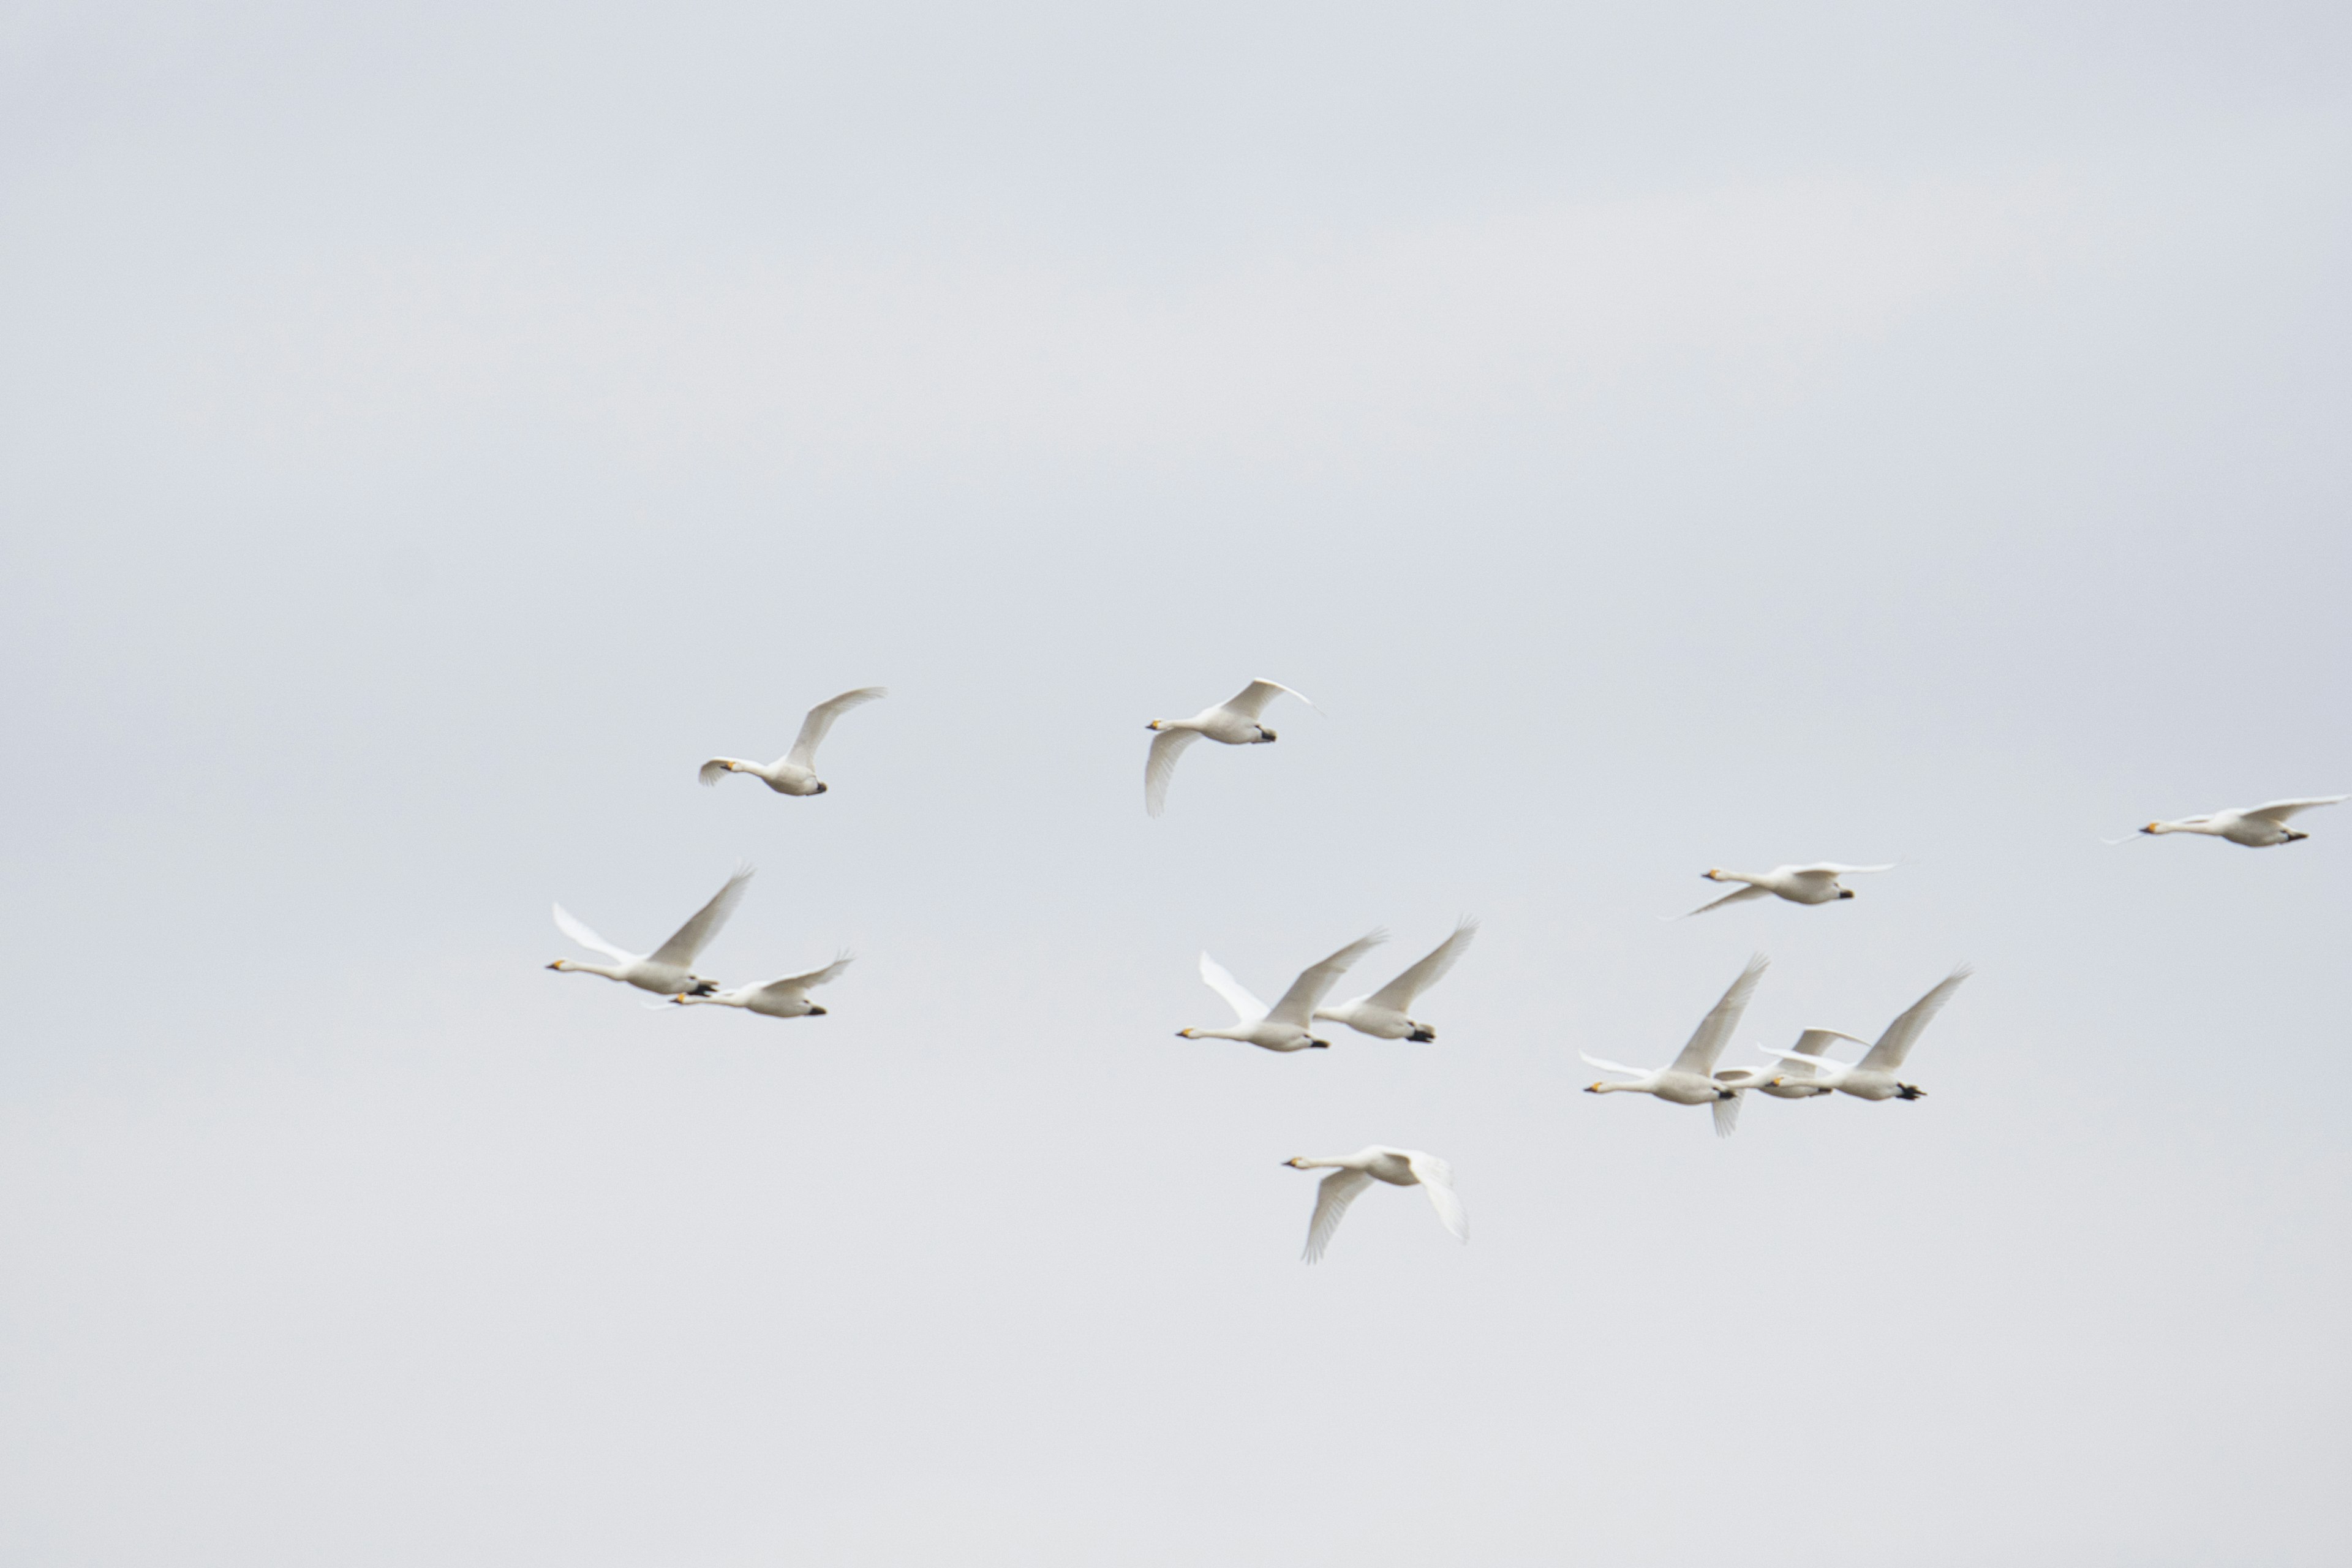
[(2279, 810), (1828, 870), (1332, 1196), (1160, 767), (1437, 1179), (1307, 993), (1726, 1113), (714, 769), (1896, 1044), (820, 719), (1814, 1045), (570, 925), (1741, 896), (1707, 1042), (1613, 1067), (802, 982), (1221, 981), (1400, 993), (691, 938), (1253, 698)]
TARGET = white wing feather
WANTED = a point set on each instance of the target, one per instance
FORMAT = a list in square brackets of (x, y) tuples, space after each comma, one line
[(1307, 993), (1237, 996), (1741, 896), (1160, 767), (1901, 1035), (1827, 868), (820, 719), (802, 982), (1436, 1178), (1252, 700), (1332, 1196), (1400, 993), (2279, 810), (690, 939), (1726, 1114), (1707, 1040), (571, 926), (714, 769), (1614, 1067)]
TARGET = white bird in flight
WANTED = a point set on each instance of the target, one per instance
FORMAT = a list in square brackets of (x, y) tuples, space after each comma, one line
[(1352, 1174), (1790, 1080), (1381, 1014), (669, 970), (1233, 722), (1689, 1079), (1286, 1026), (785, 998), (2255, 826), (795, 773), (1815, 884), (1872, 1078)]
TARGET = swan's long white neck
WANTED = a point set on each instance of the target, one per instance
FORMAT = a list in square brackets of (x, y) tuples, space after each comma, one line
[(1216, 1035), (2185, 825), (1307, 1163), (718, 999), (1621, 1086), (573, 966)]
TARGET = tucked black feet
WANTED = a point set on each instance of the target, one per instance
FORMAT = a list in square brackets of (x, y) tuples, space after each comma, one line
[(1909, 1091), (1424, 1036)]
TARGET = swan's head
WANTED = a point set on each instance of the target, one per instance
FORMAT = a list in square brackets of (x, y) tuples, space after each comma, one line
[(1713, 874), (1601, 1088), (1846, 892), (1187, 1034), (560, 963), (1781, 1081), (1157, 724), (1297, 1161)]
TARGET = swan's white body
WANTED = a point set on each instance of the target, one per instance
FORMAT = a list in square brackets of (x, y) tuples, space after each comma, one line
[(2255, 826), (1815, 884), (1233, 722), (1872, 1078), (1382, 1015), (795, 773), (1287, 1025), (785, 998), (1689, 1079), (1790, 1080), (1352, 1174), (669, 970)]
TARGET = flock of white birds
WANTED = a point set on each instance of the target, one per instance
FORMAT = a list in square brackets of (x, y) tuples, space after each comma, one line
[(1804, 1072)]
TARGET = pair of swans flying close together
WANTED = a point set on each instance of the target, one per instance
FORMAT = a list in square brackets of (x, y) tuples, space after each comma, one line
[(1232, 723), (1814, 884), (2255, 826), (669, 970), (1289, 1023), (1872, 1078), (1689, 1079), (795, 773), (1352, 1174)]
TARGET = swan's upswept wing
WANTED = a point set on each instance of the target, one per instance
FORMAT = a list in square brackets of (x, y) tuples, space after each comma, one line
[(1437, 1179), (1399, 994), (1251, 703), (1613, 1067), (1333, 1194), (683, 948), (570, 925), (1307, 993), (1160, 767), (820, 719), (1741, 896), (1815, 1043), (1726, 1114), (1237, 996), (1707, 1042), (1901, 1035), (793, 983), (2279, 810)]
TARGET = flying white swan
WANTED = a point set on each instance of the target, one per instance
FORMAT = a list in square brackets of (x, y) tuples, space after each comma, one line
[(1286, 1026), (2255, 826), (1816, 884), (1689, 1079), (1872, 1078), (669, 970), (1232, 723), (795, 773), (1787, 1081), (1352, 1174), (1382, 1014), (785, 998)]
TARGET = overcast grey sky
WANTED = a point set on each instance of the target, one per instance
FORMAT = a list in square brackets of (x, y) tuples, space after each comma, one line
[(1658, 437)]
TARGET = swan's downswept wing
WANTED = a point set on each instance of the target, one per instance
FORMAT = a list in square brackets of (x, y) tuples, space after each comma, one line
[(691, 938), (1307, 993), (819, 722), (1437, 1179), (570, 925), (1333, 1194), (1707, 1042), (1901, 1035), (1160, 767), (1399, 994), (1741, 896), (1237, 996), (1726, 1114), (714, 769)]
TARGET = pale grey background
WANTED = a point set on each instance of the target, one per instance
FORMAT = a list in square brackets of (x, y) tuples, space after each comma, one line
[(1657, 436)]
